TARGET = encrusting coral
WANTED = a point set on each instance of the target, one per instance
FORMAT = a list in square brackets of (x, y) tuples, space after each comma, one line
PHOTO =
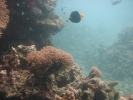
[(4, 18)]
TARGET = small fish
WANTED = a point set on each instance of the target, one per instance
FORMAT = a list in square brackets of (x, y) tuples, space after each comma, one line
[(75, 17), (115, 2), (64, 13), (62, 8)]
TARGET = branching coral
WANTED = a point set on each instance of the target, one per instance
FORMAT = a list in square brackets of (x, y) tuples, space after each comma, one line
[(95, 72), (4, 18), (50, 56)]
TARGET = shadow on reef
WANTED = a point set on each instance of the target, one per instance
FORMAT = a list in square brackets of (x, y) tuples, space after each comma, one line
[(40, 75), (27, 22)]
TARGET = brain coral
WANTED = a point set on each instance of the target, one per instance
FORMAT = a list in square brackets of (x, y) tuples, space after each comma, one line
[(50, 56), (4, 18)]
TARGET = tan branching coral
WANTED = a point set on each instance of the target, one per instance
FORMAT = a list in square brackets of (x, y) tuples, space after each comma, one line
[(4, 18), (95, 72), (50, 56)]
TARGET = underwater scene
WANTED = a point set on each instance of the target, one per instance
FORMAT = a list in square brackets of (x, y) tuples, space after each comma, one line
[(66, 50)]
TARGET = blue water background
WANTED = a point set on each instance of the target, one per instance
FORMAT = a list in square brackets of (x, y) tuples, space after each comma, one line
[(100, 26)]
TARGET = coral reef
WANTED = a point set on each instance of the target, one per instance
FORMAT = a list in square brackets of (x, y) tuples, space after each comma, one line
[(32, 22), (18, 82), (50, 74), (125, 38), (4, 16), (117, 59), (69, 95)]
